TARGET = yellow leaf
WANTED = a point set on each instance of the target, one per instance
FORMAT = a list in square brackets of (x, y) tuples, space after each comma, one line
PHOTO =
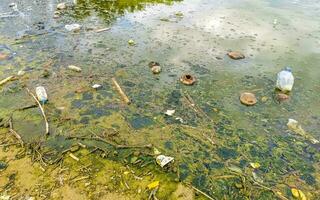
[(255, 165), (295, 192), (126, 172), (302, 195), (153, 185)]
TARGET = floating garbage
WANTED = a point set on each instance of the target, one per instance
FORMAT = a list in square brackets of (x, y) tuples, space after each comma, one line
[(96, 86), (236, 55), (295, 126), (170, 112), (248, 99), (41, 94), (61, 6), (188, 79), (285, 80), (73, 27), (74, 68), (163, 160), (155, 67)]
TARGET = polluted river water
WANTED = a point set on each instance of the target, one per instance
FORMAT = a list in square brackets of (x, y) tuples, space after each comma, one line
[(103, 146)]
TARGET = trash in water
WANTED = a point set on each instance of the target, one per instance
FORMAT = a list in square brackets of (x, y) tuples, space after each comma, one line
[(170, 112), (74, 68), (61, 6), (248, 99), (153, 185), (73, 27), (155, 67), (236, 55), (96, 86), (41, 94), (188, 79), (131, 42), (285, 80), (163, 160), (179, 119), (294, 126)]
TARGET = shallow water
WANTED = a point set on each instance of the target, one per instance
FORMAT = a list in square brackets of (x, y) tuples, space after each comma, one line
[(184, 37)]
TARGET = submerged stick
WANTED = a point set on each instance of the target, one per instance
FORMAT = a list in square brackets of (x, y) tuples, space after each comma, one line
[(4, 81), (123, 95), (14, 132), (118, 146), (101, 30), (204, 194), (42, 111)]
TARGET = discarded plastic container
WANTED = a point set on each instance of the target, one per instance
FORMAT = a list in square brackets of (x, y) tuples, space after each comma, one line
[(96, 86), (73, 27), (163, 160), (285, 80), (41, 94)]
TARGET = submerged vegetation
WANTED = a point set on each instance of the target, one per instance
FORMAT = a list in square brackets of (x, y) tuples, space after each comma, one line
[(103, 141)]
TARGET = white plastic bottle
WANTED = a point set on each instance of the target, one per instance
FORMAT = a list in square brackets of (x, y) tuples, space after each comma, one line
[(285, 80), (41, 94)]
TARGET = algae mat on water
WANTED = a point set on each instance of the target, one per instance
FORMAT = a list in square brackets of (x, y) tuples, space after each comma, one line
[(101, 148)]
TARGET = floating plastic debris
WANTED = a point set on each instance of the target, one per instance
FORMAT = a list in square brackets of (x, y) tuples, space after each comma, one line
[(170, 112), (163, 160), (96, 86), (285, 80), (188, 79), (73, 27), (41, 94)]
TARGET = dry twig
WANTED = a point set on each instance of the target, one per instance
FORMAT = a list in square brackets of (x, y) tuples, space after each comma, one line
[(119, 89), (42, 110)]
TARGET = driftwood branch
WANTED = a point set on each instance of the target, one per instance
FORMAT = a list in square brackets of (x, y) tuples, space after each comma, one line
[(41, 109), (118, 146), (123, 95)]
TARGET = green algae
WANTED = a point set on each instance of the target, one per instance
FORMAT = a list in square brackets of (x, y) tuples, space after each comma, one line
[(240, 134)]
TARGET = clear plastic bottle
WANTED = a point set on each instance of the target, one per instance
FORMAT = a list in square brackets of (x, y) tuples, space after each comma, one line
[(41, 94), (285, 80)]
